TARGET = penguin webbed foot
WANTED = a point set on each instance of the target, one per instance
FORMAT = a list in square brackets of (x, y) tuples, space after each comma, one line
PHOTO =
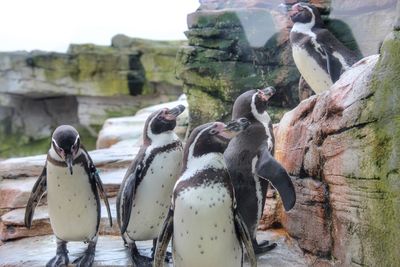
[(141, 261), (137, 259), (61, 259), (86, 259), (168, 257), (263, 247)]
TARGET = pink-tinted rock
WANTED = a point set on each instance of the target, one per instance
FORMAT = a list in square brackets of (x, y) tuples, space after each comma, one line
[(342, 147)]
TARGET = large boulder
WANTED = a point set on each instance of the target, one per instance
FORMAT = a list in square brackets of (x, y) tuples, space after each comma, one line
[(342, 147)]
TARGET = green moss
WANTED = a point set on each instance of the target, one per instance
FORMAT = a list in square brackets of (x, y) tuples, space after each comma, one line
[(381, 228), (205, 108)]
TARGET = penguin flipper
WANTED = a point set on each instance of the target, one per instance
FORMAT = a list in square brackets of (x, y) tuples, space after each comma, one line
[(102, 192), (37, 193), (127, 197), (163, 239), (245, 237), (270, 169), (94, 174)]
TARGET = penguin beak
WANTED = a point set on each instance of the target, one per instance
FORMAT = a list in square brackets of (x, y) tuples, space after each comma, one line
[(69, 162), (176, 111), (295, 9), (235, 127)]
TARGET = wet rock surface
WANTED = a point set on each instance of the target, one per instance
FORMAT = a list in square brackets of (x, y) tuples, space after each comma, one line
[(36, 251)]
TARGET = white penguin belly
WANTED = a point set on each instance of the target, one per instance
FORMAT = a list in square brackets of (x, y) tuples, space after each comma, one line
[(204, 231), (318, 79), (71, 203), (153, 196)]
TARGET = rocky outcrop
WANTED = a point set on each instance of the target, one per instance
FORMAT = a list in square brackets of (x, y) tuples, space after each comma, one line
[(83, 87), (234, 46), (230, 51), (158, 59), (342, 147)]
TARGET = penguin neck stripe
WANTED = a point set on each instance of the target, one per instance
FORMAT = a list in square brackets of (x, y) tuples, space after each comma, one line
[(53, 158)]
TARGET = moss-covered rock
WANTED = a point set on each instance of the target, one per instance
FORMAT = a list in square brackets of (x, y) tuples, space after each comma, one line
[(382, 227), (348, 140), (83, 87), (158, 59), (231, 51)]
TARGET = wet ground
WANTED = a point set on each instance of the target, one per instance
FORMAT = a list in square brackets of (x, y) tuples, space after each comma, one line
[(36, 251)]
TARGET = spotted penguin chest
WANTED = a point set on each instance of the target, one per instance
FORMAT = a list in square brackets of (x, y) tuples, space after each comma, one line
[(72, 203), (204, 232), (318, 79), (153, 195)]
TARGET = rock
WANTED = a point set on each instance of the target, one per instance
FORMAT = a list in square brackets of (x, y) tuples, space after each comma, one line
[(120, 129), (15, 193), (36, 251), (229, 53), (158, 59), (82, 87), (342, 147), (234, 46)]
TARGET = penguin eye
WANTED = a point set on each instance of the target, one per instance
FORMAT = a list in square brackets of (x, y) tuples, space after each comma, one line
[(213, 131)]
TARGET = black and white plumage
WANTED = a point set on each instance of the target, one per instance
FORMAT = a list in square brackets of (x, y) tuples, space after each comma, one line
[(73, 185), (319, 56), (250, 162), (145, 193), (203, 222)]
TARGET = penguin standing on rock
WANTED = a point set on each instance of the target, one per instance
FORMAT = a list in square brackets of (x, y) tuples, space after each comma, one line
[(146, 190), (73, 186), (203, 222), (251, 164), (318, 55)]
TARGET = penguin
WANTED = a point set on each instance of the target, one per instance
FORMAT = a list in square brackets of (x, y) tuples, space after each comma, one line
[(73, 186), (203, 222), (318, 55), (250, 163), (146, 190)]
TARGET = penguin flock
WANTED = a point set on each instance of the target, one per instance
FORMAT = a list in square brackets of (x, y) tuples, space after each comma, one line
[(206, 197)]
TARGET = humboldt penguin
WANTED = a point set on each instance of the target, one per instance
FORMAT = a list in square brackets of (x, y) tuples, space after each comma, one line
[(73, 185), (146, 190), (318, 55), (203, 222), (251, 165)]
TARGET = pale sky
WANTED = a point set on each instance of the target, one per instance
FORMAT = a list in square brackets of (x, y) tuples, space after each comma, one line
[(53, 24)]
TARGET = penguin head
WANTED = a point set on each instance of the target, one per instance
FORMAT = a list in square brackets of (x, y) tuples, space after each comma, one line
[(253, 103), (213, 137), (66, 143), (306, 14), (161, 121)]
